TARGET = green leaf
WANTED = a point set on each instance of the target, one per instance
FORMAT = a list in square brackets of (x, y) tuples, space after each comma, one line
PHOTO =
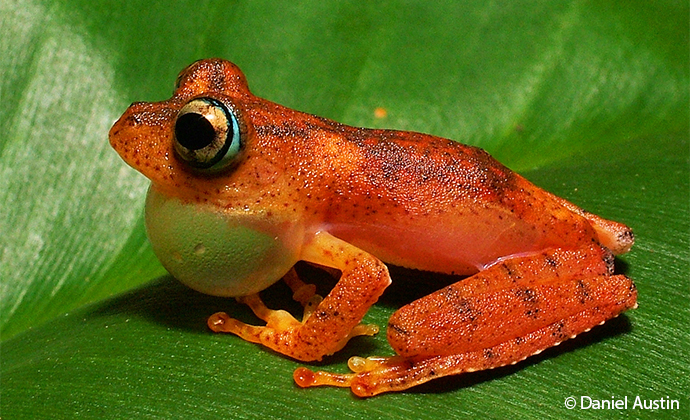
[(587, 99)]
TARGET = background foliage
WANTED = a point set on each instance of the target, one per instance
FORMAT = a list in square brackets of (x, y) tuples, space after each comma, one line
[(588, 99)]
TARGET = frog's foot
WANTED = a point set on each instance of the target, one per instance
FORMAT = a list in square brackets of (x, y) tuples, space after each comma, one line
[(280, 326), (329, 323), (510, 311), (303, 293)]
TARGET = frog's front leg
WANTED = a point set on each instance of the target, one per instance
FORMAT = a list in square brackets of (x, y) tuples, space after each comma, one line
[(329, 323), (500, 316)]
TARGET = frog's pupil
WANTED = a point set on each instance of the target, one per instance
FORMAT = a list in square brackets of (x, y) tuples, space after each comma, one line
[(193, 131)]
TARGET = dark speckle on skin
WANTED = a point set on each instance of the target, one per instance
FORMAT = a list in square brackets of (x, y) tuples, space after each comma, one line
[(466, 311), (398, 329), (551, 262), (527, 295), (583, 292), (292, 129)]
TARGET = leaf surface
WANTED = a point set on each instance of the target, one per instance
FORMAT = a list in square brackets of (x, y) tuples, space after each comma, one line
[(587, 99)]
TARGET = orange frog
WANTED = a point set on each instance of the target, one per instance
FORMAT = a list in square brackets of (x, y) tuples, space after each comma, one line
[(243, 188)]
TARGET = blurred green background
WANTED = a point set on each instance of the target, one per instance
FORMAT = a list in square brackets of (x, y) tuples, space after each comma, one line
[(588, 99)]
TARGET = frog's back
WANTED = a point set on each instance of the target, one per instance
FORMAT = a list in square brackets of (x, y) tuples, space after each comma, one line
[(425, 202)]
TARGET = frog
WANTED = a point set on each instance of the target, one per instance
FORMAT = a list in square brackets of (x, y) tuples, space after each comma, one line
[(243, 188)]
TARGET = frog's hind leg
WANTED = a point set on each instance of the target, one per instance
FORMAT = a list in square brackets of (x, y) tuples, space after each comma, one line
[(615, 236), (500, 316), (327, 323)]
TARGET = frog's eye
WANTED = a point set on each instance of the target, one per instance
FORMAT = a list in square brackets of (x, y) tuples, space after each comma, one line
[(207, 134)]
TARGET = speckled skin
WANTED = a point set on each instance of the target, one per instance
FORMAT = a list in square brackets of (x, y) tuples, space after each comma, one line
[(358, 196)]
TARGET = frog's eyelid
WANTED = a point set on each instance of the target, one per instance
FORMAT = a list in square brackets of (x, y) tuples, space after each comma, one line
[(178, 80), (183, 73)]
